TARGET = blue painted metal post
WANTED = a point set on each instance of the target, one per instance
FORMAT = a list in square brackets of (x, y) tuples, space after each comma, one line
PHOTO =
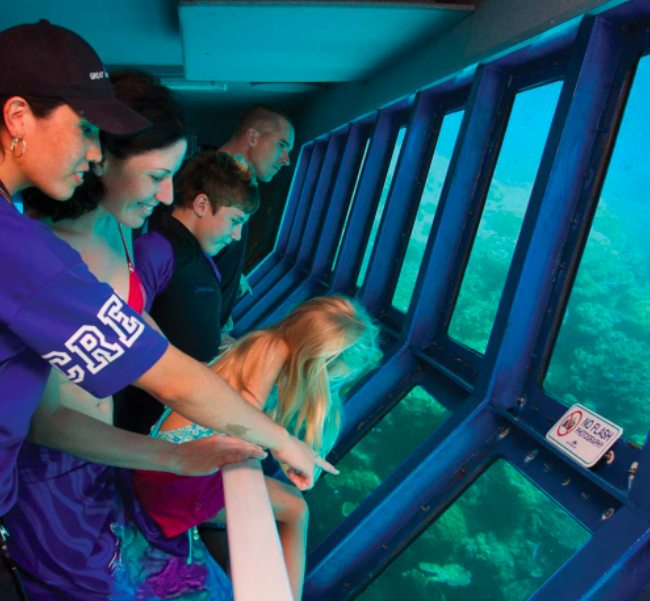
[(368, 193), (300, 248), (583, 99), (457, 199), (315, 178), (267, 282), (287, 217), (333, 222), (341, 199), (312, 167), (354, 550), (392, 236), (314, 232)]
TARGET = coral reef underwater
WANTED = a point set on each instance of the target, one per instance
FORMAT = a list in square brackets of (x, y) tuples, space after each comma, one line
[(601, 355), (500, 541)]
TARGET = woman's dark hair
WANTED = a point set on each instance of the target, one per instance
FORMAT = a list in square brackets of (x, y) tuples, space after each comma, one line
[(85, 199), (141, 92)]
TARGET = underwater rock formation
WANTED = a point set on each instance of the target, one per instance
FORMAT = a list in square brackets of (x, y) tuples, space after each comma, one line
[(451, 574)]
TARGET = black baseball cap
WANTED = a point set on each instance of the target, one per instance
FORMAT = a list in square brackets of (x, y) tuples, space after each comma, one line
[(42, 59)]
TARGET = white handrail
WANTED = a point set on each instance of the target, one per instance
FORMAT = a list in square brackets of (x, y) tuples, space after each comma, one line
[(256, 561)]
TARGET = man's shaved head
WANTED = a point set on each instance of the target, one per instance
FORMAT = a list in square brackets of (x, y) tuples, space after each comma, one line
[(262, 118), (264, 137)]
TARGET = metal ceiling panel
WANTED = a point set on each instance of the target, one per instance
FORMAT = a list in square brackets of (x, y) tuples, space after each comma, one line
[(304, 41), (123, 32)]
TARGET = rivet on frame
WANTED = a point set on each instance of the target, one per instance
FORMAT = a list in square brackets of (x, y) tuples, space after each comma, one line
[(531, 455), (632, 473)]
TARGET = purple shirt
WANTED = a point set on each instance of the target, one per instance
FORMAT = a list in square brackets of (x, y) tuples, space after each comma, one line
[(154, 260), (53, 308)]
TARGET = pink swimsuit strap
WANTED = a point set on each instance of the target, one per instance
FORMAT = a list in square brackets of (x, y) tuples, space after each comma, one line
[(137, 295)]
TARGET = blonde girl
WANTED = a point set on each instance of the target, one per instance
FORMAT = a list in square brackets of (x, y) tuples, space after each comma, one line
[(291, 370)]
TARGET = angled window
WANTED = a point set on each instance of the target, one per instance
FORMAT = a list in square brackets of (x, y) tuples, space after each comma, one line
[(352, 199), (379, 213), (601, 353), (368, 464), (501, 540), (427, 210), (503, 215)]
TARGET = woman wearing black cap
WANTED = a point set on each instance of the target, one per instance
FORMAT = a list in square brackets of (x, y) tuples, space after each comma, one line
[(54, 97), (136, 174)]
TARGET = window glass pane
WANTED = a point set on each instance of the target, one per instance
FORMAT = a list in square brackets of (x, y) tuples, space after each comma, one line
[(427, 210), (601, 356), (500, 541), (371, 461), (380, 207), (352, 198), (503, 216)]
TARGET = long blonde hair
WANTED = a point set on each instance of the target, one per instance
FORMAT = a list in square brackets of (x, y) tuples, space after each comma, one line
[(328, 331)]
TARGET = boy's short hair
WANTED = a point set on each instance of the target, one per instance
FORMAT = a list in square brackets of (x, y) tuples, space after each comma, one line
[(226, 180)]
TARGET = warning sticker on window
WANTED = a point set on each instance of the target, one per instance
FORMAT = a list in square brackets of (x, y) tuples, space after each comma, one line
[(584, 435)]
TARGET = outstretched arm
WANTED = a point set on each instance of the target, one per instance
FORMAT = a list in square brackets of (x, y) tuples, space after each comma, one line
[(198, 394), (262, 365), (65, 429)]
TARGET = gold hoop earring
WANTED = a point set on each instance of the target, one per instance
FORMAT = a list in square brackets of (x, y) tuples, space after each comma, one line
[(14, 145)]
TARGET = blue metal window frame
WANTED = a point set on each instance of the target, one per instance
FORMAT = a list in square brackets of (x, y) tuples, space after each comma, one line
[(325, 227), (271, 260), (246, 313), (355, 240), (537, 406), (330, 259), (427, 115), (499, 408), (455, 356)]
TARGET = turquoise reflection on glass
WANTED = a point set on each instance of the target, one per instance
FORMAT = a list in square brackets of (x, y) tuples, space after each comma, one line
[(380, 207), (601, 355), (427, 210), (503, 215), (352, 199)]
